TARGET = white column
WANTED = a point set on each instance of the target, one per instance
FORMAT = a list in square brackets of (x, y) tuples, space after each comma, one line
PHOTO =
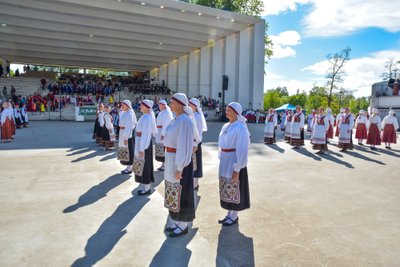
[(162, 73), (245, 57), (173, 75), (205, 71), (231, 68), (258, 66), (218, 67), (183, 74), (154, 73), (194, 73)]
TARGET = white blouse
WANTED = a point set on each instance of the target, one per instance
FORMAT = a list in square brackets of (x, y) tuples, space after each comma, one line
[(199, 125), (101, 118), (233, 136), (108, 121), (145, 127), (361, 119), (390, 119), (163, 119), (5, 114), (375, 119), (128, 123), (179, 134)]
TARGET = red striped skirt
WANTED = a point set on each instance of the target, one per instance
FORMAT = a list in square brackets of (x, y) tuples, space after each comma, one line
[(361, 131), (373, 137), (329, 134), (6, 130), (389, 134)]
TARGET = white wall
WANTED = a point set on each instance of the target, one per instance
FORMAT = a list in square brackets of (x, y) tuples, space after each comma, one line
[(240, 56), (163, 73)]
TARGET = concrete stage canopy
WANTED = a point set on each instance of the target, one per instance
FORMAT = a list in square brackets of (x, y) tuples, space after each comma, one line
[(133, 35)]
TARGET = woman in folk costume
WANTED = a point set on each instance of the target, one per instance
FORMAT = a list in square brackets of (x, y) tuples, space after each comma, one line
[(163, 119), (24, 115), (338, 118), (6, 126), (297, 129), (201, 126), (145, 130), (96, 131), (331, 120), (374, 127), (288, 124), (233, 144), (270, 127), (389, 126), (108, 134), (319, 132), (310, 120), (346, 125), (361, 127), (11, 110), (101, 129), (179, 145), (127, 124)]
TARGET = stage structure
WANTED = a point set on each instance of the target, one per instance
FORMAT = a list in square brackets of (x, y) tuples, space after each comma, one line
[(188, 46)]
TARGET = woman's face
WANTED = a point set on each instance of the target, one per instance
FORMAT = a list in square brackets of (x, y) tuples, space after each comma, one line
[(143, 108), (230, 114), (161, 107), (175, 106), (124, 107)]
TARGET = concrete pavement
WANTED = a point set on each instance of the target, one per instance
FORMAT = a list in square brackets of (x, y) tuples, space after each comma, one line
[(63, 202)]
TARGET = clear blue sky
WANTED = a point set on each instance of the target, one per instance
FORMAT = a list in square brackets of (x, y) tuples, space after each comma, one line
[(304, 32)]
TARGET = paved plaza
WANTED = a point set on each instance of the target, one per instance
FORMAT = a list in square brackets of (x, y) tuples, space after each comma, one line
[(64, 202)]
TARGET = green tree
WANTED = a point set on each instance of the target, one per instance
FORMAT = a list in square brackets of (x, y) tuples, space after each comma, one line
[(298, 99), (272, 99), (317, 98)]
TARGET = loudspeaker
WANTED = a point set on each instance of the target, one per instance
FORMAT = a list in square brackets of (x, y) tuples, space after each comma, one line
[(225, 80), (219, 94)]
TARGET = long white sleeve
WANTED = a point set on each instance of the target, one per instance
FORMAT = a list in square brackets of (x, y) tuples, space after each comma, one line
[(108, 123), (146, 127), (126, 121), (101, 119), (275, 120), (199, 125), (326, 122), (166, 120), (184, 147), (301, 120), (242, 147), (351, 122)]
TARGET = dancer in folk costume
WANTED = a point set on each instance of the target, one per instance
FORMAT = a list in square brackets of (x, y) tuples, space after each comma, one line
[(310, 119), (179, 142), (374, 127), (13, 128), (288, 125), (331, 120), (233, 145), (17, 117), (97, 131), (271, 122), (108, 134), (361, 127), (338, 118), (297, 129), (6, 126), (24, 115), (126, 143), (319, 132), (163, 119), (201, 126), (145, 130), (389, 126), (346, 125)]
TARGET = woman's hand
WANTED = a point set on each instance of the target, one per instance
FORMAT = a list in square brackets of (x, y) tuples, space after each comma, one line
[(235, 175), (126, 142), (178, 175), (141, 154)]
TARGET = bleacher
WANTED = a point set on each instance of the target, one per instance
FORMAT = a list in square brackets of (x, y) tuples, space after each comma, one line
[(24, 86)]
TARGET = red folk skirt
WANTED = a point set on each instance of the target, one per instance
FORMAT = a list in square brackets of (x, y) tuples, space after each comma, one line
[(373, 137), (337, 131), (6, 130), (389, 134), (329, 134), (12, 127), (361, 131)]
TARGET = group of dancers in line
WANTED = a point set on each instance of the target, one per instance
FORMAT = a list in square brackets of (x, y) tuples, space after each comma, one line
[(370, 128), (12, 117), (178, 132)]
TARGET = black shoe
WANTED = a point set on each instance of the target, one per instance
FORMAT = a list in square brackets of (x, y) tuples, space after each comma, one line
[(171, 229), (183, 232), (229, 222), (223, 220), (360, 144), (389, 148), (343, 150), (196, 188), (142, 192), (160, 169), (126, 172)]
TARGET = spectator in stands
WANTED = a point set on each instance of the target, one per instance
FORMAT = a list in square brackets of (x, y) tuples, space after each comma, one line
[(1, 70), (5, 92), (17, 72)]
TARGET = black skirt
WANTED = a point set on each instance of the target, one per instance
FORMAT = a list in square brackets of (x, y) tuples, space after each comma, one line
[(198, 173), (131, 147), (96, 127), (187, 209), (148, 170), (244, 193)]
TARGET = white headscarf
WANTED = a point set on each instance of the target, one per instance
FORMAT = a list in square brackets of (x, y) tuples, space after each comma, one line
[(375, 111), (328, 110), (149, 104), (391, 112), (237, 108), (195, 102), (182, 99), (163, 102), (362, 112), (130, 111), (341, 110)]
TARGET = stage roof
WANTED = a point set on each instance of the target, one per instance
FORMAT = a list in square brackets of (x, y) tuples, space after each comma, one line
[(121, 35)]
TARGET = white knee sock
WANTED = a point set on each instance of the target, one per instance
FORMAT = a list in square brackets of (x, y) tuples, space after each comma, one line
[(234, 215), (229, 214), (181, 225), (129, 168), (195, 182), (146, 187)]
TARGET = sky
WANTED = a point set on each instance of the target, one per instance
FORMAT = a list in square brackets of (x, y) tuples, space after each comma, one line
[(304, 32)]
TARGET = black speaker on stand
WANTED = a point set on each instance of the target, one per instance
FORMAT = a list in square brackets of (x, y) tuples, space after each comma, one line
[(225, 80)]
